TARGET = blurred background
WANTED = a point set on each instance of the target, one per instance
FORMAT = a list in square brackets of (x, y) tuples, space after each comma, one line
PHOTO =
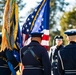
[(62, 15)]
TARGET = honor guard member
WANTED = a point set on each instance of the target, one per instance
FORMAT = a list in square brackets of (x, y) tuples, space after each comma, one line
[(35, 58), (67, 56), (4, 70), (54, 53), (8, 64)]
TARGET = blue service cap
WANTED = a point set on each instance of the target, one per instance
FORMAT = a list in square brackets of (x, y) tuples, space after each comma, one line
[(36, 34), (70, 32), (58, 37)]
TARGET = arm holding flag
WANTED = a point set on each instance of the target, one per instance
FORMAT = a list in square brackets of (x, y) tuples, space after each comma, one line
[(9, 32)]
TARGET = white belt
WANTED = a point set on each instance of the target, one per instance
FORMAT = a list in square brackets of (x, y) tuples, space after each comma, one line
[(33, 68), (3, 66), (70, 71)]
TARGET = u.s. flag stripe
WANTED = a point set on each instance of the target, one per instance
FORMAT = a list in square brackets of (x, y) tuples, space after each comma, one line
[(45, 42), (45, 38), (39, 22)]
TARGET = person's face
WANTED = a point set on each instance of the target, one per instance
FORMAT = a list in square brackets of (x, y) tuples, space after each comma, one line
[(59, 42)]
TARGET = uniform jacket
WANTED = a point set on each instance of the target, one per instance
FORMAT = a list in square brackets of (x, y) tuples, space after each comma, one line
[(5, 57), (67, 60), (4, 70), (53, 58), (29, 60)]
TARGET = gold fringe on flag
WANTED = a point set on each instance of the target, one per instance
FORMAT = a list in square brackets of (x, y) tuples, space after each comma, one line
[(10, 25), (6, 27)]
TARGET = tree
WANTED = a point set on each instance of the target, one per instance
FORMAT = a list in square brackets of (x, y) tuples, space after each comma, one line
[(56, 6), (2, 4), (68, 21)]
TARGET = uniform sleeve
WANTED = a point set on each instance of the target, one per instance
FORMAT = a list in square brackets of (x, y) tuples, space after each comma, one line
[(50, 54), (12, 59), (46, 63), (60, 64), (20, 56), (2, 54)]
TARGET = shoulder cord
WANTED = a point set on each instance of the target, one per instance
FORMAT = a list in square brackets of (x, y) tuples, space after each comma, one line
[(61, 60), (32, 52)]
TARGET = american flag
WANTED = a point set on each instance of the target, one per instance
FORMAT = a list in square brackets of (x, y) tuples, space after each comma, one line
[(37, 21), (18, 41)]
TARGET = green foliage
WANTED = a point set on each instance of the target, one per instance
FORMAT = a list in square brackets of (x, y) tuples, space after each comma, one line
[(0, 28), (68, 21), (56, 6), (2, 5), (19, 2)]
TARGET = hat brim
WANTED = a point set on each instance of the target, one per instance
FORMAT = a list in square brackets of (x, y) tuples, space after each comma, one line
[(36, 34), (70, 32)]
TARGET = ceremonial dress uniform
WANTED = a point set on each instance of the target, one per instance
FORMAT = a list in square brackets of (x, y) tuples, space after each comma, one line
[(4, 69), (67, 56), (54, 55), (8, 63), (35, 59)]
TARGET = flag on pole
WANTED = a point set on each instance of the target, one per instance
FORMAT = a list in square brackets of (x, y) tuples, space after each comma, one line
[(46, 37), (37, 22), (10, 25), (18, 41), (9, 32), (6, 27)]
